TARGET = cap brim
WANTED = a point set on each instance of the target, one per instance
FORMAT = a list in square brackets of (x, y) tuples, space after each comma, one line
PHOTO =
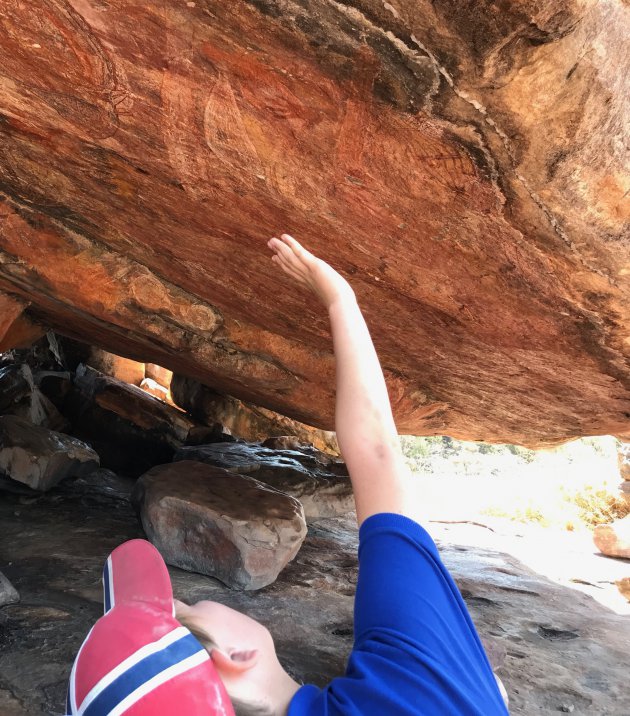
[(136, 572)]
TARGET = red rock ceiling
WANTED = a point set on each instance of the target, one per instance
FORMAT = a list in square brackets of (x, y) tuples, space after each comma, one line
[(464, 164)]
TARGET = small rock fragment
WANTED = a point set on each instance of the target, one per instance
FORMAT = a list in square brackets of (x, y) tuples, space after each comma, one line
[(8, 593)]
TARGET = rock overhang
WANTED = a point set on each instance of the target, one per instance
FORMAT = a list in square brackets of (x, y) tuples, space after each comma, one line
[(147, 155)]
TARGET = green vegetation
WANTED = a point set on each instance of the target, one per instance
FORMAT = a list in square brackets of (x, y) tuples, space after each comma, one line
[(574, 485)]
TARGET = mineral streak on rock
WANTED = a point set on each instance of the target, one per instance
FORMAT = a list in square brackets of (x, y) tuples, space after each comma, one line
[(462, 163)]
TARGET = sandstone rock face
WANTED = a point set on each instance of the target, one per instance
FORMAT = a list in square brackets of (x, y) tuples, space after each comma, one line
[(41, 458), (16, 328), (321, 484), (614, 539), (162, 376), (227, 526), (465, 165), (249, 422), (124, 369)]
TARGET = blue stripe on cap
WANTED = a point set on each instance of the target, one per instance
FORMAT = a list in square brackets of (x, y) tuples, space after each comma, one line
[(142, 672), (106, 578), (68, 705)]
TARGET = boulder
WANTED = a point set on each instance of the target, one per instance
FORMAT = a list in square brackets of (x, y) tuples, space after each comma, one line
[(8, 593), (318, 481), (624, 587), (208, 520), (153, 388), (243, 420), (134, 405), (131, 430), (613, 540), (41, 458)]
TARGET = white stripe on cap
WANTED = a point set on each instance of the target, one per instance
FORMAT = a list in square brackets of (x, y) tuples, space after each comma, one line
[(110, 585), (71, 687), (130, 661), (160, 678)]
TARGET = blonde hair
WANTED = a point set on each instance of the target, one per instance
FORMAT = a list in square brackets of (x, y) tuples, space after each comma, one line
[(241, 708)]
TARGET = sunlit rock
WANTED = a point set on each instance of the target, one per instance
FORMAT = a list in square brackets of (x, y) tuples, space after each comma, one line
[(124, 369), (614, 539)]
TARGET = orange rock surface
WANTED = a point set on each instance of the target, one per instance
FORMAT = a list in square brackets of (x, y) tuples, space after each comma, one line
[(462, 163)]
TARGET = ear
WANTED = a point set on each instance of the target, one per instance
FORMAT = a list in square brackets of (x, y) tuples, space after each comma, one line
[(236, 661)]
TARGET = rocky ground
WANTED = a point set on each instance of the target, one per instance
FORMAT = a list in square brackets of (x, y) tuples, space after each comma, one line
[(555, 648)]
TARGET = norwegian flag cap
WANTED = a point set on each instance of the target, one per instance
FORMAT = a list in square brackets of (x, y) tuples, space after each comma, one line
[(138, 660)]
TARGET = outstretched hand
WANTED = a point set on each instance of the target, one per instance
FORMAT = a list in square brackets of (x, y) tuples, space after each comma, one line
[(309, 271)]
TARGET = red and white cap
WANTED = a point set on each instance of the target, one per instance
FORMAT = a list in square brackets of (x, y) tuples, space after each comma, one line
[(138, 660)]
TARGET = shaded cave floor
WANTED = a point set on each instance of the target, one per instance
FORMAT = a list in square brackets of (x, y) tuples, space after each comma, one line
[(553, 647)]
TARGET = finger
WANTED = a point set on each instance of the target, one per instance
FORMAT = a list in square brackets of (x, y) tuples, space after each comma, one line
[(297, 248), (291, 270), (288, 269), (282, 262), (284, 250), (293, 243)]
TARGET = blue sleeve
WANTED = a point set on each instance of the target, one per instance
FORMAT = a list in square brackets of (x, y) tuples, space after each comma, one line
[(416, 650), (405, 591), (403, 584)]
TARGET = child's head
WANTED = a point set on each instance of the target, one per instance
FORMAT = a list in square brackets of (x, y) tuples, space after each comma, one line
[(138, 657), (244, 655)]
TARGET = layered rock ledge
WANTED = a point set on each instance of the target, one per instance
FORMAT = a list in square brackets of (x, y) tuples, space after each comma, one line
[(462, 163)]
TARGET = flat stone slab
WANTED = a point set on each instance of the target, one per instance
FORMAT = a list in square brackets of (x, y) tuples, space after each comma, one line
[(320, 482), (215, 522), (41, 458)]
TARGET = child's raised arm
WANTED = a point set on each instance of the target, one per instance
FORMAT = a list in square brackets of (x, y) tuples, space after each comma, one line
[(363, 416)]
